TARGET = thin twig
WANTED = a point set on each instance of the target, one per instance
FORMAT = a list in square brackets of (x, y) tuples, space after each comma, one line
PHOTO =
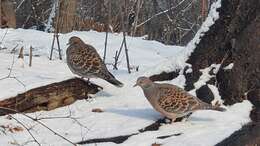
[(126, 54), (118, 54), (19, 5), (27, 129), (30, 60), (4, 35), (158, 14), (64, 117), (105, 49), (10, 72), (55, 133), (19, 82), (11, 67), (37, 121)]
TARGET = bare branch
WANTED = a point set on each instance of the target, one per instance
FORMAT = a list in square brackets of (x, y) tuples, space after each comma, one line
[(160, 13), (4, 35), (19, 5), (27, 129), (4, 109)]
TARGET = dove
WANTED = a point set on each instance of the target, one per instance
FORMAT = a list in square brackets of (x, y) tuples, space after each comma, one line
[(170, 100), (83, 60)]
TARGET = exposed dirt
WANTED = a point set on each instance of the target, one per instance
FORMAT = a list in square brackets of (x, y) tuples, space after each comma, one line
[(50, 96), (120, 139)]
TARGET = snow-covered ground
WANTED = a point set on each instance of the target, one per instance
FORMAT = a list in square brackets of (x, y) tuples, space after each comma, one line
[(143, 54), (125, 109)]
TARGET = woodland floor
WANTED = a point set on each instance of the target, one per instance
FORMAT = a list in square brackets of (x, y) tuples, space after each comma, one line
[(125, 110)]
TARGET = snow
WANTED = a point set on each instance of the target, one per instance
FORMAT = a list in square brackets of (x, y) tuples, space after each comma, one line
[(228, 67), (204, 78), (39, 74), (126, 110), (217, 97), (51, 17), (178, 61)]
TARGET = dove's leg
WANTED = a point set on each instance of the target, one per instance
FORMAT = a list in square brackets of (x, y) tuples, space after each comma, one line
[(170, 120), (183, 118), (173, 119), (84, 78), (88, 81), (186, 117), (167, 120)]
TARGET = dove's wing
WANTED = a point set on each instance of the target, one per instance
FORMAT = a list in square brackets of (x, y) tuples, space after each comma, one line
[(84, 59), (176, 100)]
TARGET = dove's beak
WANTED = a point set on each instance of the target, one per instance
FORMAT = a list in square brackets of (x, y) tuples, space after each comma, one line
[(135, 85), (68, 44)]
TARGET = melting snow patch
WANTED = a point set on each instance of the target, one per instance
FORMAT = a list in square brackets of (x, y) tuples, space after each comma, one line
[(230, 66)]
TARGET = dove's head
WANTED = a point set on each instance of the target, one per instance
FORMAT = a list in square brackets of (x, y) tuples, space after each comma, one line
[(144, 82), (74, 40)]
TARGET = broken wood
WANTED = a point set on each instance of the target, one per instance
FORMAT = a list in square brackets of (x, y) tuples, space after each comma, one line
[(50, 96), (30, 57), (21, 53)]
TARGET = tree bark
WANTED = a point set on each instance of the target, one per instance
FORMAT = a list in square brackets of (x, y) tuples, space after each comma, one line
[(50, 96), (7, 14), (0, 13), (236, 34), (234, 38), (66, 16)]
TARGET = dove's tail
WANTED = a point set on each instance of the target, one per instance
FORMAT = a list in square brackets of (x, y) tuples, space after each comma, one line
[(115, 82), (214, 107), (218, 108), (111, 79)]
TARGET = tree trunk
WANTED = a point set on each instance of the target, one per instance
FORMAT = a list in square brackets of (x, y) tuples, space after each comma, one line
[(66, 16), (235, 35), (1, 14), (204, 9), (50, 96), (7, 14), (233, 38)]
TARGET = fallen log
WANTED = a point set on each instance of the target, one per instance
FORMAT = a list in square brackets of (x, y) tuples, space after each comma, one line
[(50, 96)]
